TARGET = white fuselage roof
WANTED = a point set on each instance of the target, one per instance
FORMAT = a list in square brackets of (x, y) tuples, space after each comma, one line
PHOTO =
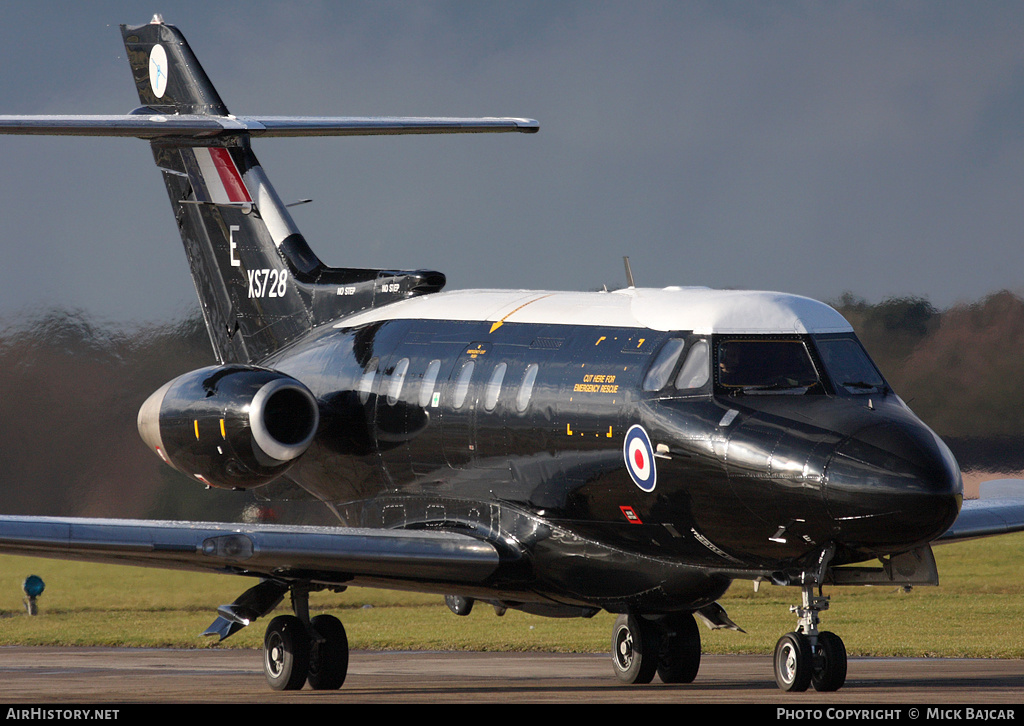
[(700, 310)]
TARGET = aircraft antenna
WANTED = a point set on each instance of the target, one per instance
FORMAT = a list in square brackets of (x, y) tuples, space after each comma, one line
[(629, 272)]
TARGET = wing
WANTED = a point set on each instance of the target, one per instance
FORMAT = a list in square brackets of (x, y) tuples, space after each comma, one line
[(326, 555), (998, 510)]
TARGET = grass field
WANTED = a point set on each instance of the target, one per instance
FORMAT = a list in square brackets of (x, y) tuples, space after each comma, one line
[(976, 611)]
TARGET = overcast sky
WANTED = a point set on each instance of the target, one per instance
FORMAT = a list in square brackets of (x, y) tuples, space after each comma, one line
[(813, 148)]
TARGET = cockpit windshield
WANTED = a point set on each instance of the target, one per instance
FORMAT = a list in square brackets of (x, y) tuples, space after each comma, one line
[(766, 366), (849, 366), (793, 366)]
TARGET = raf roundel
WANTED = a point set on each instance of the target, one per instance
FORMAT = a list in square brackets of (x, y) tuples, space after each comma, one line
[(158, 70), (639, 455)]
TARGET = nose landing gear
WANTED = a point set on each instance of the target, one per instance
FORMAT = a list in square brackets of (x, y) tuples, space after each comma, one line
[(808, 657)]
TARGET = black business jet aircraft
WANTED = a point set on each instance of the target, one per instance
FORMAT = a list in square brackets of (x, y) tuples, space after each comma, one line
[(557, 452)]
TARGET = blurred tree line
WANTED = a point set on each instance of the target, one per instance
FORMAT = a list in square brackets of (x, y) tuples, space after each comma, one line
[(961, 370), (71, 388), (70, 393)]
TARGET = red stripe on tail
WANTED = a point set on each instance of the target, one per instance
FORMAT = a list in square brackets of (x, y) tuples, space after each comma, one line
[(229, 176)]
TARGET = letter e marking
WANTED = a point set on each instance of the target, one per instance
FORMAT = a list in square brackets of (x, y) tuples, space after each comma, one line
[(235, 262)]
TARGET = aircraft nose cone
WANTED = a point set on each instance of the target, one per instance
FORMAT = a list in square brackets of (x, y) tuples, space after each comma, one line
[(892, 485)]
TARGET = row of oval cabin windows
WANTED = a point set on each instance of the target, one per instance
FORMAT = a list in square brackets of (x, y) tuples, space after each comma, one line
[(395, 380), (693, 374)]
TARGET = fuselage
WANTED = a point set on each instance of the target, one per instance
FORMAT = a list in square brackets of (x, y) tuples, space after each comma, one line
[(689, 435)]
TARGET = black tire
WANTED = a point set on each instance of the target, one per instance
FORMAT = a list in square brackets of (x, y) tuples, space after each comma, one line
[(458, 604), (793, 663), (679, 655), (829, 663), (328, 660), (286, 653), (635, 649)]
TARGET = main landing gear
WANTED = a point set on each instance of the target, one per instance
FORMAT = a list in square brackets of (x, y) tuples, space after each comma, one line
[(808, 657), (297, 649), (668, 647)]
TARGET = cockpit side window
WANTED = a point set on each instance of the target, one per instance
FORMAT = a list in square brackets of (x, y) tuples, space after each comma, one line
[(766, 366), (696, 369), (663, 365), (848, 365)]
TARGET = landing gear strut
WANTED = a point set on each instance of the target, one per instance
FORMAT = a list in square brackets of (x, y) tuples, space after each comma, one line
[(668, 647), (297, 649), (808, 657)]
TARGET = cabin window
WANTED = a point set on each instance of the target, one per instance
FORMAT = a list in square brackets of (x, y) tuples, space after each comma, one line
[(366, 380), (766, 366), (663, 365), (526, 389), (494, 387), (696, 369), (849, 366), (462, 384), (397, 379), (427, 384)]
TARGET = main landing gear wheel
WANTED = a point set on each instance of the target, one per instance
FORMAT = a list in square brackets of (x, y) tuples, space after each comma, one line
[(635, 649), (328, 654), (286, 653), (679, 655), (793, 662)]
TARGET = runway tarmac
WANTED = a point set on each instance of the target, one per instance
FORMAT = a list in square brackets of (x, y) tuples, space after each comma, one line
[(120, 675)]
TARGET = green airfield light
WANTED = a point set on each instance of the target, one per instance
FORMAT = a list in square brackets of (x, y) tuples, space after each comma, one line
[(33, 587)]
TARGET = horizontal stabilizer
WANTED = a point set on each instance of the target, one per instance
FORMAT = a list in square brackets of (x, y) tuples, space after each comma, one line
[(145, 125)]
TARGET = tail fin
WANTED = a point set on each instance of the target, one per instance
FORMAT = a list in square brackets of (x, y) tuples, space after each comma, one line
[(259, 283), (152, 51)]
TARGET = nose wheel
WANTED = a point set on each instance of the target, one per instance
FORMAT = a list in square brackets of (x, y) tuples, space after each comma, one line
[(793, 662), (808, 657), (829, 663)]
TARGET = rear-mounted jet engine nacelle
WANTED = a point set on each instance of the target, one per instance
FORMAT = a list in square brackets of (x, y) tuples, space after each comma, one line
[(232, 427)]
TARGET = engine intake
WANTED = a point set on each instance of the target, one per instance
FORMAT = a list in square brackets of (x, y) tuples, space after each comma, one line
[(232, 427)]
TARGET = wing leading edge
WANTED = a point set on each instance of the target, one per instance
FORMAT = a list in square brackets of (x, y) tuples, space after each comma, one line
[(998, 510), (324, 554)]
